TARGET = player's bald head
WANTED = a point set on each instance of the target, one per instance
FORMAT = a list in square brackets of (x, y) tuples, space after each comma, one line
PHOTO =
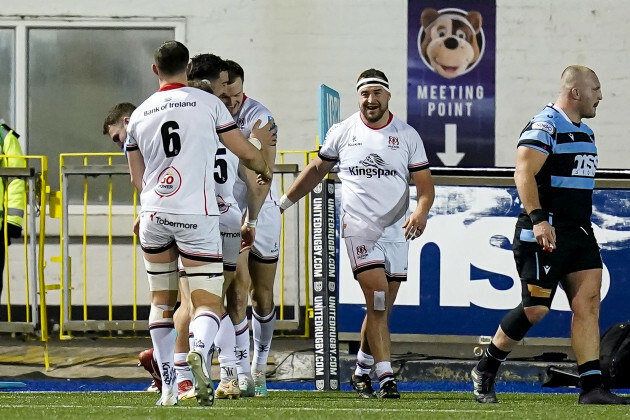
[(574, 77)]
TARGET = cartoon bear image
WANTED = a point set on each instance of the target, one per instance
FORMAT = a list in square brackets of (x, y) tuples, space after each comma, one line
[(449, 40)]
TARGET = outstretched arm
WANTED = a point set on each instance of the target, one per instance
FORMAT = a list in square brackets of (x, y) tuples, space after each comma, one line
[(306, 181)]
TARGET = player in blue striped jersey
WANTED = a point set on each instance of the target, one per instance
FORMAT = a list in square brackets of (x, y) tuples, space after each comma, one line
[(556, 161)]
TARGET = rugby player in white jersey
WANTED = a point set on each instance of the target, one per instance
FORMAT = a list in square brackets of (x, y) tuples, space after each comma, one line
[(172, 139), (204, 67), (261, 236), (377, 153)]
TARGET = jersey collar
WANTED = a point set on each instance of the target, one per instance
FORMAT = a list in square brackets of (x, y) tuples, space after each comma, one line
[(560, 111), (391, 117), (170, 86)]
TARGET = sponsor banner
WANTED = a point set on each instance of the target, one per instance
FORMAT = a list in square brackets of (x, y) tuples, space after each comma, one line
[(324, 275), (451, 79), (329, 110), (462, 278)]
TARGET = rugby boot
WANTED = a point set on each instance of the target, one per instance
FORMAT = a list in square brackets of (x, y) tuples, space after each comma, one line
[(260, 384), (246, 385), (146, 360), (389, 390), (185, 390), (601, 395), (363, 385), (483, 386), (170, 399), (227, 390), (204, 391)]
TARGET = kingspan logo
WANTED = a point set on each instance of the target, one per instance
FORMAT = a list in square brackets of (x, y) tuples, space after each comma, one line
[(373, 165)]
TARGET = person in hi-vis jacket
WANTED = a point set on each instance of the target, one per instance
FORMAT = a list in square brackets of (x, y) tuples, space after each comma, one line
[(12, 209)]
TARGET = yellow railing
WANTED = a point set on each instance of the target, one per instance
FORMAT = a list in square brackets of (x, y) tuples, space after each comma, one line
[(35, 175), (87, 165), (306, 157), (90, 165)]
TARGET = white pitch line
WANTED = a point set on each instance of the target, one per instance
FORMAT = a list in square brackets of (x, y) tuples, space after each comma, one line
[(326, 409)]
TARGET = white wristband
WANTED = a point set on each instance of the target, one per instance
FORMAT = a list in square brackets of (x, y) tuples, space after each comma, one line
[(251, 223), (285, 203)]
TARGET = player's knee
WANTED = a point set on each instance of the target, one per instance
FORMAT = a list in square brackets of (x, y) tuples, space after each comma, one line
[(162, 276), (535, 314), (160, 314), (379, 301), (208, 277), (585, 305), (516, 324)]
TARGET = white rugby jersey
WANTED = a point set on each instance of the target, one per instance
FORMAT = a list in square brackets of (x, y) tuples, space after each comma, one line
[(374, 167), (225, 176), (250, 112), (176, 130)]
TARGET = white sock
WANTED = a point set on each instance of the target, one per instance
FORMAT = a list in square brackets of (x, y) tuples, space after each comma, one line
[(181, 368), (365, 362), (163, 337), (241, 351), (384, 372), (225, 342), (262, 328), (204, 327)]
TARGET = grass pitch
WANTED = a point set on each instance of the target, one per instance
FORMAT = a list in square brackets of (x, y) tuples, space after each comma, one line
[(288, 405)]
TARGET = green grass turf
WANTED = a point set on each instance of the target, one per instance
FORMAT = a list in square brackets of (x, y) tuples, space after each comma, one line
[(288, 405)]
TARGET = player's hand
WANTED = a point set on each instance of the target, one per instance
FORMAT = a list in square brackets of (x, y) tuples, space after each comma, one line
[(248, 234), (265, 178), (136, 226), (414, 225), (267, 134), (545, 236)]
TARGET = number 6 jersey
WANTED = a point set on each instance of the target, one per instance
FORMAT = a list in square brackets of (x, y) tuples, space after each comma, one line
[(176, 130)]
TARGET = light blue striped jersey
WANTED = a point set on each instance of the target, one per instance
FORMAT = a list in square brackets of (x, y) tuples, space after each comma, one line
[(567, 178)]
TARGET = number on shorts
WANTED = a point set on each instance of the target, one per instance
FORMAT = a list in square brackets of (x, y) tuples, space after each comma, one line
[(170, 139), (221, 175)]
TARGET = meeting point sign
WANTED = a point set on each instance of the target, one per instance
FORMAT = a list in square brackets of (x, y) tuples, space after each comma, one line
[(462, 278), (451, 79)]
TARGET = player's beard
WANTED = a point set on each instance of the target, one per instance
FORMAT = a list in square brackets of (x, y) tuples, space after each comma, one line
[(374, 115)]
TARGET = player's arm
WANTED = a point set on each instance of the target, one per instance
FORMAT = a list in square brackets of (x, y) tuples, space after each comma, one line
[(136, 168), (425, 191), (267, 135), (306, 181), (256, 193), (249, 155), (529, 161)]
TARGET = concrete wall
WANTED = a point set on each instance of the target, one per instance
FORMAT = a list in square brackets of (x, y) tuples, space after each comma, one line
[(288, 48)]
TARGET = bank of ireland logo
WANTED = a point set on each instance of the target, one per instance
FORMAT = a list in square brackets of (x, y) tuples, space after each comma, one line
[(361, 252), (169, 182)]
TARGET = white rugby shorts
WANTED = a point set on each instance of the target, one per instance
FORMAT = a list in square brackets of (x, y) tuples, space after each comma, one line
[(366, 254), (196, 236), (266, 247)]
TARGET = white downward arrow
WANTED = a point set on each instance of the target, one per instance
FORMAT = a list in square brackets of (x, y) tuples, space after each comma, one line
[(450, 157)]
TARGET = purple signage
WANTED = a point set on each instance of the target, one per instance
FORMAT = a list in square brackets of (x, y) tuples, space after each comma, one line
[(450, 81)]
